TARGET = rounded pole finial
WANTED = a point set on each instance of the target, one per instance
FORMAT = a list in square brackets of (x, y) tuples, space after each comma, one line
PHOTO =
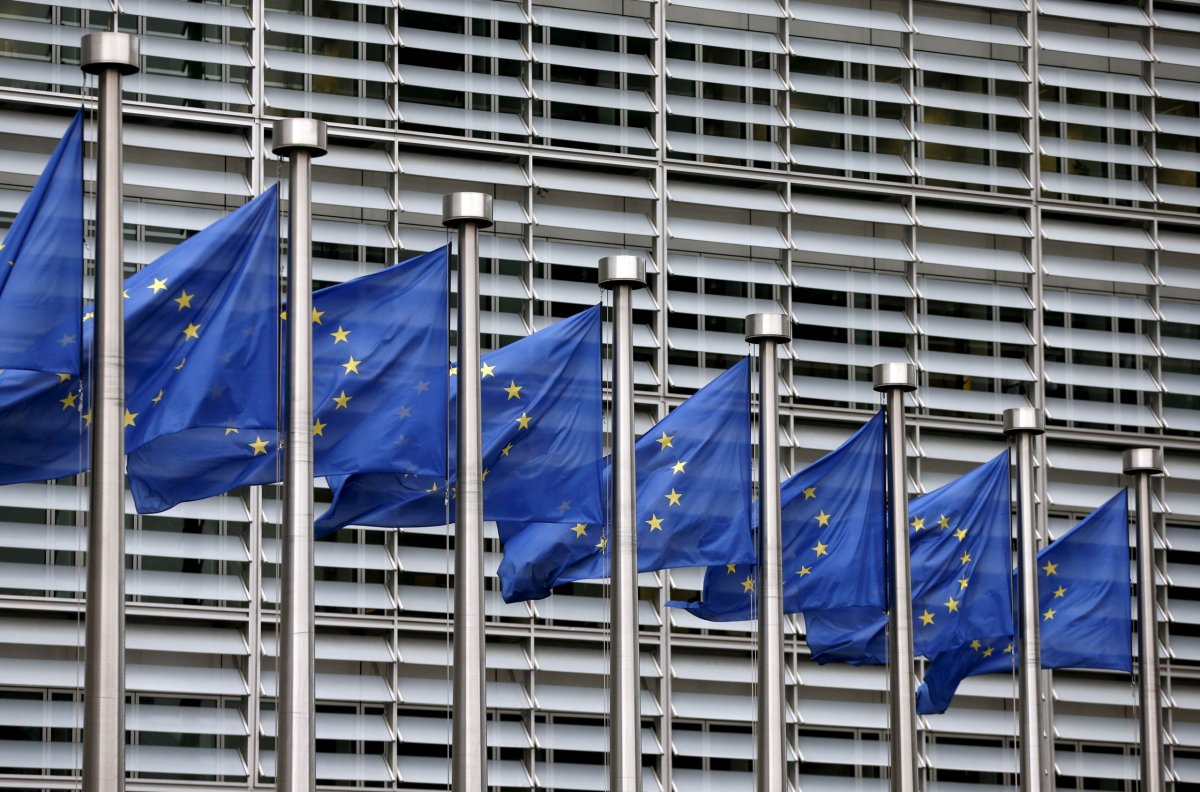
[(1142, 460), (886, 376), (298, 134), (467, 207), (102, 50), (624, 269), (1024, 419), (768, 327)]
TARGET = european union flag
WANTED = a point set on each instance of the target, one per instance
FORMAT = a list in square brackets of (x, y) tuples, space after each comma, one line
[(693, 499), (41, 269), (960, 550), (834, 514), (198, 353), (379, 343), (1084, 602), (542, 437)]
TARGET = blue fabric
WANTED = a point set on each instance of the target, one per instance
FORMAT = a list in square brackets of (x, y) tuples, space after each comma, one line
[(960, 550), (379, 345), (542, 438), (1085, 606), (834, 515), (693, 498), (187, 361), (41, 268)]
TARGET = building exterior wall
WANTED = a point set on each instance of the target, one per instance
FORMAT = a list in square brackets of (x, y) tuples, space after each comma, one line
[(1003, 193)]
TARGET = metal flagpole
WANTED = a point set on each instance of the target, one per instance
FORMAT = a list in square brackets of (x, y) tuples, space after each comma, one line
[(109, 56), (1141, 464), (894, 380), (1022, 424), (768, 330), (469, 212), (300, 140), (623, 274)]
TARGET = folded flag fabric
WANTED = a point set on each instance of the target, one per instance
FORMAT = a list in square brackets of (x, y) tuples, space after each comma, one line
[(693, 500), (1085, 606), (834, 515), (542, 439)]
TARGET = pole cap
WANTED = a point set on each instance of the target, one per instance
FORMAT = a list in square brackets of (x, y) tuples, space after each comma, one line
[(1024, 419), (762, 327), (622, 270), (467, 207), (289, 135), (902, 376), (99, 51), (1143, 460)]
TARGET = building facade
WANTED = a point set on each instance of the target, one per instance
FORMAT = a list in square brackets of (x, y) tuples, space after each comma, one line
[(1002, 192)]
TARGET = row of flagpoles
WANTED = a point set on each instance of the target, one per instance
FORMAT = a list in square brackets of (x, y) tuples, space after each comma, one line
[(774, 587)]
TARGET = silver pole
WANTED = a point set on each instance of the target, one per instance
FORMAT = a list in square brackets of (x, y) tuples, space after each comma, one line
[(894, 380), (109, 56), (1022, 424), (1141, 464), (300, 140), (623, 274), (768, 330), (469, 212)]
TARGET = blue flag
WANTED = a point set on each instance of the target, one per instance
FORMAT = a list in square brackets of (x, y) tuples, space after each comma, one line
[(834, 515), (41, 268), (1084, 602), (379, 343), (960, 549), (693, 499), (542, 437), (190, 318)]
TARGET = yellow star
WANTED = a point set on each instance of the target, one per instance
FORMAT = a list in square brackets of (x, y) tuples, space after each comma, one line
[(125, 293), (483, 476), (989, 651), (351, 365), (160, 284), (64, 377), (341, 335), (259, 445), (523, 421), (822, 549), (1059, 592), (317, 315), (665, 441), (810, 492), (89, 315), (962, 583), (1049, 614), (319, 428), (1050, 569), (918, 523), (730, 569), (184, 300), (513, 390), (580, 530), (943, 521), (823, 519), (504, 451), (673, 497), (432, 487), (487, 370), (453, 370), (87, 418), (283, 315), (655, 522), (603, 543), (230, 430), (177, 368), (131, 418), (1008, 649), (966, 558), (961, 533), (804, 571), (926, 618), (976, 644), (68, 401), (157, 398), (342, 401), (951, 605), (748, 585), (191, 331), (678, 466)]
